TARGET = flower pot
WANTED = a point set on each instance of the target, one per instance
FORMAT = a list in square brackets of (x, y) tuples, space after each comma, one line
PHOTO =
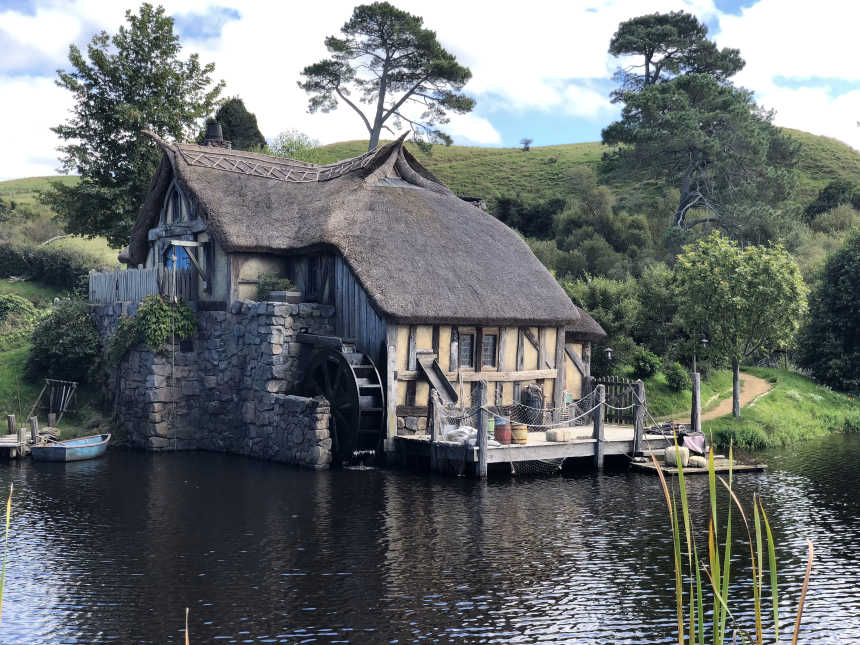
[(291, 297)]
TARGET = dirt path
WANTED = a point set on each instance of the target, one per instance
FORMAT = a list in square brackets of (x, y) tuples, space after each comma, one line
[(752, 387)]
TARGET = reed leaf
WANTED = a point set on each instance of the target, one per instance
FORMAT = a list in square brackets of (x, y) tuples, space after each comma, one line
[(803, 593), (5, 546), (713, 550), (771, 561), (679, 604), (727, 558), (187, 641), (688, 533), (757, 573)]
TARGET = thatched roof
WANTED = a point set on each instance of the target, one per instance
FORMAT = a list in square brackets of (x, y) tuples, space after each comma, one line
[(422, 254), (586, 328)]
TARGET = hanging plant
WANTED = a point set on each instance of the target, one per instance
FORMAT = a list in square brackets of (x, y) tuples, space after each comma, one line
[(157, 322)]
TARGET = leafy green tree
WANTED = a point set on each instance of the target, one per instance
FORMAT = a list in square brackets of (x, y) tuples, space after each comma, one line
[(830, 342), (238, 125), (395, 66), (669, 45), (683, 122), (293, 144), (746, 301), (125, 83), (707, 139), (65, 344), (836, 193), (613, 304)]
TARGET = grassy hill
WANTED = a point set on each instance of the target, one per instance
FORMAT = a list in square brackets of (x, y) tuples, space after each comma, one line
[(539, 174)]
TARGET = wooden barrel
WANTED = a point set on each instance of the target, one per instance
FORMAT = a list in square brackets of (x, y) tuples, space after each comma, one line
[(519, 433), (502, 433)]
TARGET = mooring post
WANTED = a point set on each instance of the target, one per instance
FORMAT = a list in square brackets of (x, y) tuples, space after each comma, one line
[(638, 416), (22, 435), (431, 424), (10, 421), (52, 419), (34, 429), (483, 429), (696, 407), (599, 430)]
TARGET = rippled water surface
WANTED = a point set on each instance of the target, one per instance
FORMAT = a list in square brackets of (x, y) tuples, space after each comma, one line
[(113, 550)]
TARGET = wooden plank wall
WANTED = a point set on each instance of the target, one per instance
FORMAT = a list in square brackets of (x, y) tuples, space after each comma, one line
[(128, 285), (355, 316)]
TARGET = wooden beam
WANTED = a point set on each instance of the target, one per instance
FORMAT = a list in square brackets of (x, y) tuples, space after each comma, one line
[(577, 361), (483, 429), (412, 362), (599, 430), (586, 357), (638, 416), (508, 377), (391, 384), (542, 360), (520, 362), (561, 378), (454, 357)]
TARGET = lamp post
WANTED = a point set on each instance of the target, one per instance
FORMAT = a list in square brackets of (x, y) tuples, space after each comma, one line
[(704, 342)]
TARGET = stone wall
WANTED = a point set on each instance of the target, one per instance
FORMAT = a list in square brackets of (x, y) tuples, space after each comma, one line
[(228, 388)]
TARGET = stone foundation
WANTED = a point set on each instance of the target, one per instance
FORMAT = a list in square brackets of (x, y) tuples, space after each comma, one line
[(227, 388)]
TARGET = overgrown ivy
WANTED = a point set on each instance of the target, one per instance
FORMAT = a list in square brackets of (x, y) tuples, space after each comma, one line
[(157, 321)]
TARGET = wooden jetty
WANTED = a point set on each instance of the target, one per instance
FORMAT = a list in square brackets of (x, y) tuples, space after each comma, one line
[(721, 465), (594, 441), (19, 439)]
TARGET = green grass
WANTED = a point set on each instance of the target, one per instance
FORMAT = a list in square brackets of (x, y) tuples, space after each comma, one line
[(39, 294), (796, 409), (16, 394), (663, 401)]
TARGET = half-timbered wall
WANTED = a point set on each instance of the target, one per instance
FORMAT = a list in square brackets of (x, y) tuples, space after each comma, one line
[(521, 356)]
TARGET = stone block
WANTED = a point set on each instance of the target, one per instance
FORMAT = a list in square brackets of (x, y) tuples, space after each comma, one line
[(210, 382), (157, 443), (236, 307), (276, 385)]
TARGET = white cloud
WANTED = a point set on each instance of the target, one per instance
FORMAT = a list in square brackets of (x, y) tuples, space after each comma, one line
[(544, 56), (800, 40)]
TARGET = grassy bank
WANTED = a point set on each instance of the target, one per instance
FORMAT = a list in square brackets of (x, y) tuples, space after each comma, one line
[(796, 409), (664, 402)]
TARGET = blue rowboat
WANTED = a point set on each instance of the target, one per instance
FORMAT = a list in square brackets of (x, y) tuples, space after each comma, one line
[(72, 449)]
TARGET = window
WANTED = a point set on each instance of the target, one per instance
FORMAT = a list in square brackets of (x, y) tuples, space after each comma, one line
[(467, 348), (489, 345)]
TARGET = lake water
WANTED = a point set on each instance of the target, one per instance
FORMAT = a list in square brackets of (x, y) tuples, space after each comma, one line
[(114, 550)]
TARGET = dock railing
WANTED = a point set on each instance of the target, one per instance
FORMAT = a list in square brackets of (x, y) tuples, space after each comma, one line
[(133, 285)]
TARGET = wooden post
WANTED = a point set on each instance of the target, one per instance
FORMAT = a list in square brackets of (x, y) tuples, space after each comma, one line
[(599, 430), (52, 419), (638, 416), (34, 429), (696, 408), (433, 427), (22, 435), (483, 429), (10, 420)]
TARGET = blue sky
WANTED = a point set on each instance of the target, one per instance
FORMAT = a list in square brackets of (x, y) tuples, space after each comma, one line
[(539, 71)]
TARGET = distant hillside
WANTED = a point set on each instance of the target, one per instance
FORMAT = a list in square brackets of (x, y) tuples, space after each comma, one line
[(539, 173)]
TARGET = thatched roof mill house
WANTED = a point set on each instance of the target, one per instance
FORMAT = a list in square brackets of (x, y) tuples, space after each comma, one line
[(425, 286)]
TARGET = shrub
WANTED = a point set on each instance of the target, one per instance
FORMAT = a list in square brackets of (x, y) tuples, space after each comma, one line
[(677, 377), (157, 321), (59, 267), (268, 282), (65, 344), (645, 364), (18, 318)]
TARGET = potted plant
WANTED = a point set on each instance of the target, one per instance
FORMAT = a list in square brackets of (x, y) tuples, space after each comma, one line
[(271, 287)]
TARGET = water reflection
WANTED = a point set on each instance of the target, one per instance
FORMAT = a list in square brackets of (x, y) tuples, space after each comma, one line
[(113, 551)]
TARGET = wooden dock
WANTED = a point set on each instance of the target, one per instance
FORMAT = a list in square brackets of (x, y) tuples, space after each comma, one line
[(721, 465), (19, 440), (457, 458)]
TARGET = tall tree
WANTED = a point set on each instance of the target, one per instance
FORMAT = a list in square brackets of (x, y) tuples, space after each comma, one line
[(239, 126), (667, 45), (394, 65), (684, 122), (830, 342), (125, 83), (745, 301)]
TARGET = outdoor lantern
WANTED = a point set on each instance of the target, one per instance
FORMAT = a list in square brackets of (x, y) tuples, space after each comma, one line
[(608, 352)]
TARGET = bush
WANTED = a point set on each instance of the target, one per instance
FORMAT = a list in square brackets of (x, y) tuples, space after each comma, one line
[(157, 321), (645, 364), (18, 318), (58, 267), (65, 344), (268, 282), (677, 377)]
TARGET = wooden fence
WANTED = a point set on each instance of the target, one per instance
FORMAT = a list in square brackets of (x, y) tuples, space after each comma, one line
[(133, 285), (619, 398)]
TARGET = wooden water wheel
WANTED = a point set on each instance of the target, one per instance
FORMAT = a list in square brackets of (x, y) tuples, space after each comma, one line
[(351, 383)]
